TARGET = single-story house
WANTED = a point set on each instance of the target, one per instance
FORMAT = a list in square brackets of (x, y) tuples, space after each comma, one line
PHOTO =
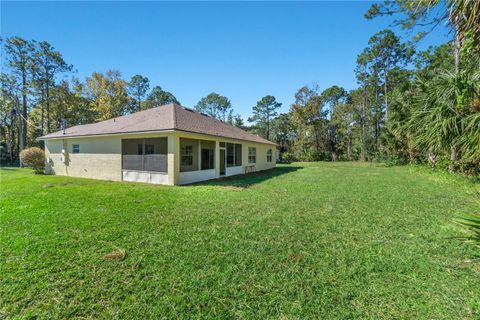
[(170, 145)]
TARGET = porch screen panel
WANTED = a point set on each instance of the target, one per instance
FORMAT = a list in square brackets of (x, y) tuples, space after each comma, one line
[(155, 162), (155, 157), (238, 154), (132, 162), (132, 153), (208, 155), (148, 154), (230, 154)]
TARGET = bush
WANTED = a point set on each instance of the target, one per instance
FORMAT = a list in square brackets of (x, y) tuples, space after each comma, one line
[(311, 155), (395, 160), (469, 168), (287, 157), (464, 166), (34, 158), (390, 160)]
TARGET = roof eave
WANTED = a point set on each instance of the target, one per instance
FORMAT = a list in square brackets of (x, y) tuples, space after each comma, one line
[(67, 136), (101, 134)]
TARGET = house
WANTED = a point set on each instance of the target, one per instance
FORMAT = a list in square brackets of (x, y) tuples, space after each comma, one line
[(170, 145)]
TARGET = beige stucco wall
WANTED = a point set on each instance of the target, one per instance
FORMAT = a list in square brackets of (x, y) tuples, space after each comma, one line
[(100, 157)]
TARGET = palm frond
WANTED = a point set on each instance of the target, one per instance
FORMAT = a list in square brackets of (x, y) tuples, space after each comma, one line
[(471, 224)]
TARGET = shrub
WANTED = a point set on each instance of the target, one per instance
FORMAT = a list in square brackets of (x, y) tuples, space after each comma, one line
[(470, 168), (390, 160), (34, 158), (311, 155), (287, 157)]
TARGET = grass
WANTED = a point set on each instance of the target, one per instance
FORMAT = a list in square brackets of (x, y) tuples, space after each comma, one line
[(319, 240)]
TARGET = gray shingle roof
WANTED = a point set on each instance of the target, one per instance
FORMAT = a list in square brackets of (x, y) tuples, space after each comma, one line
[(168, 117)]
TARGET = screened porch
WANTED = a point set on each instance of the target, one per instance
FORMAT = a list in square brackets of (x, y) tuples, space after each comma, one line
[(197, 160), (145, 160), (204, 160)]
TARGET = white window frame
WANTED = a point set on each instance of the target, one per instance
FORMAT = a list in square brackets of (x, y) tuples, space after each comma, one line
[(252, 155), (75, 148)]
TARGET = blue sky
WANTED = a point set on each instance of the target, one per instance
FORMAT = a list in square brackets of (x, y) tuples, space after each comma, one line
[(241, 50)]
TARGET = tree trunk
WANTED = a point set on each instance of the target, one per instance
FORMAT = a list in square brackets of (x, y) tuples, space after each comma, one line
[(47, 100), (348, 149), (24, 110), (13, 141), (20, 138), (378, 115), (453, 147), (42, 123), (333, 142), (317, 142), (453, 158), (8, 139), (362, 153), (385, 95), (458, 41), (268, 129)]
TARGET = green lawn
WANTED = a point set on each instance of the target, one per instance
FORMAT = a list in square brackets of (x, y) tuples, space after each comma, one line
[(320, 240)]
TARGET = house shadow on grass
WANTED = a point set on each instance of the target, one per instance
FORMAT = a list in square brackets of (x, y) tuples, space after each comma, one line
[(249, 179)]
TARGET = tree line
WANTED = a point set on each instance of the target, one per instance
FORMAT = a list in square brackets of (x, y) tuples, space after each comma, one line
[(410, 106), (40, 94), (39, 97)]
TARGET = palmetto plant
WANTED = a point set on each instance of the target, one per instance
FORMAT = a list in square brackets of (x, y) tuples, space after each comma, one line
[(445, 114), (471, 224), (470, 142)]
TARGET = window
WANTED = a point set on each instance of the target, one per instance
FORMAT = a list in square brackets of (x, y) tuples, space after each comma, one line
[(234, 154), (238, 155), (269, 155), (140, 149), (222, 144), (76, 148), (187, 155), (207, 159), (149, 149), (252, 155), (230, 154)]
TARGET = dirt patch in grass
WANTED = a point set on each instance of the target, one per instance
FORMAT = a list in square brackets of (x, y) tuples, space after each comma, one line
[(118, 254), (234, 188), (473, 264)]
